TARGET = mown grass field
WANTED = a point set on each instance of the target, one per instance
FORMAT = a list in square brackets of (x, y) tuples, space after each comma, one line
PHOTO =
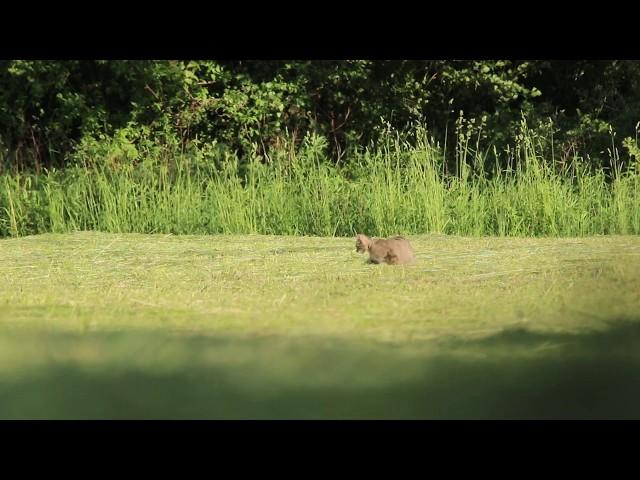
[(96, 325)]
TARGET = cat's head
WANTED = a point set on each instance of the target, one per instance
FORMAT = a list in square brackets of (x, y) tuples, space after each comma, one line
[(362, 243)]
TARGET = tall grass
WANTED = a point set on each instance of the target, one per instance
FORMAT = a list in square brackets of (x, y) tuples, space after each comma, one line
[(395, 186)]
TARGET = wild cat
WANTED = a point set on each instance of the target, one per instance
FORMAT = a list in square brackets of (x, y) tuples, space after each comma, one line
[(393, 251)]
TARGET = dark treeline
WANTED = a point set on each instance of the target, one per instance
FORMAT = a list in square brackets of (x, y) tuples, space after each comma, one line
[(51, 109)]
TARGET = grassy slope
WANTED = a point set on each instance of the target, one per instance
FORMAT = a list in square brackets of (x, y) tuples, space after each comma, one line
[(98, 325)]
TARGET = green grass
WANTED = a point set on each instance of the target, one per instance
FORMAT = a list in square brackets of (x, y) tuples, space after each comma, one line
[(96, 325), (392, 187)]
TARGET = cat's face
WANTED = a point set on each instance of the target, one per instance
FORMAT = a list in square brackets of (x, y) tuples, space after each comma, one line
[(362, 243)]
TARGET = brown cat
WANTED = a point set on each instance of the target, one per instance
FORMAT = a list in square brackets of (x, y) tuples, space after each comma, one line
[(393, 251)]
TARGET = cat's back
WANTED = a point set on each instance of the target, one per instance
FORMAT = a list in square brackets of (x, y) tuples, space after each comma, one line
[(399, 249)]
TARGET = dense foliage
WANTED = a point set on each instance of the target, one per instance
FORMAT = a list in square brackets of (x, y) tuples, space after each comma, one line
[(50, 111)]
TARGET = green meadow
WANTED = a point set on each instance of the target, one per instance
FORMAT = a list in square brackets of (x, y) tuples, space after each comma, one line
[(100, 325)]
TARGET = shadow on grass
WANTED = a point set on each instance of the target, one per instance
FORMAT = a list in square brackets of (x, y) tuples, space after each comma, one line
[(510, 375)]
